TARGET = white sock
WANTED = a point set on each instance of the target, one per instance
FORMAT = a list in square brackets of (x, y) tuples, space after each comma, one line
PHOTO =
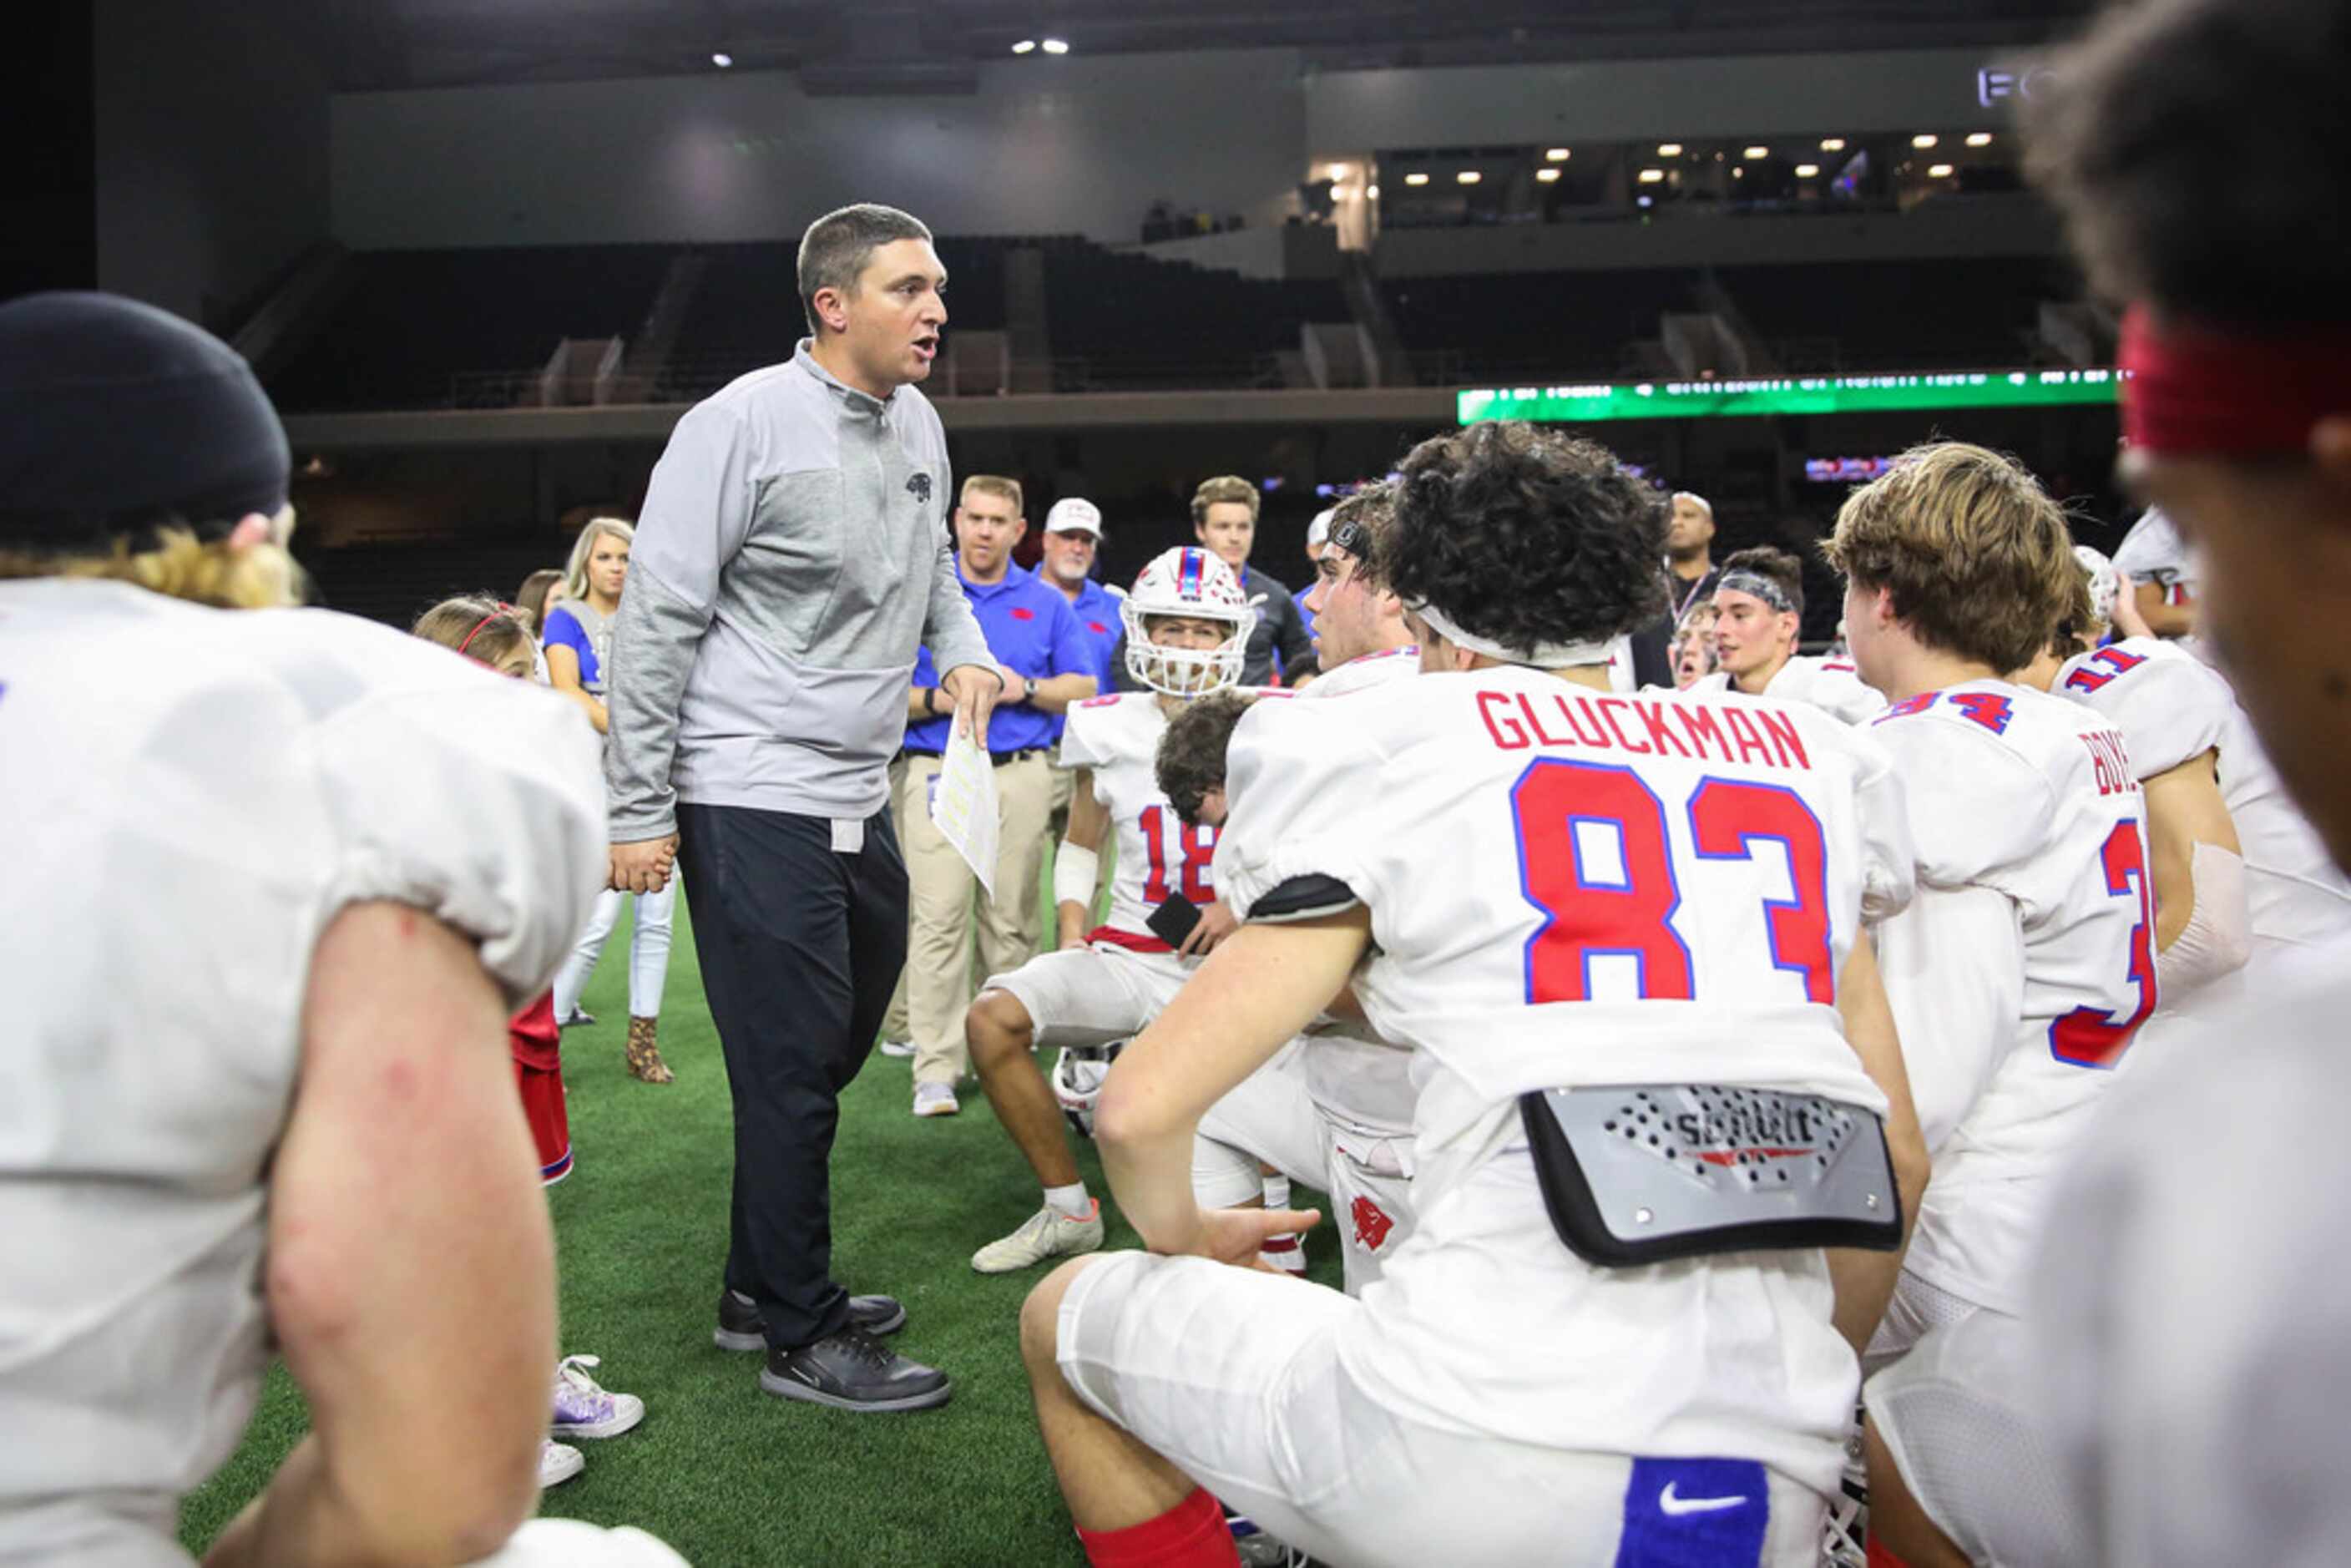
[(1069, 1201), (1276, 1191)]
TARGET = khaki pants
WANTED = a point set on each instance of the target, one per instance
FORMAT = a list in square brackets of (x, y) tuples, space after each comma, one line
[(944, 896)]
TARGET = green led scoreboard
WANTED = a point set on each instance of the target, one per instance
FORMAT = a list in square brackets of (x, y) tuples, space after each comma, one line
[(1765, 396)]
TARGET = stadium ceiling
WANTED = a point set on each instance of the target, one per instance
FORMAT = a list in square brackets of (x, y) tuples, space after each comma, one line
[(901, 46)]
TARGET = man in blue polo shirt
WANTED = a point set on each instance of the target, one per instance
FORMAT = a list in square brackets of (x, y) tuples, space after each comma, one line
[(1074, 533), (1047, 662)]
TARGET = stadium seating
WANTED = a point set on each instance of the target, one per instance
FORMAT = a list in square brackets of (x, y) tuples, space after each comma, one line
[(409, 322)]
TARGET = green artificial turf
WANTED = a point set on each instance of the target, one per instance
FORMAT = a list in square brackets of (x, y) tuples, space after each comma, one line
[(724, 1473)]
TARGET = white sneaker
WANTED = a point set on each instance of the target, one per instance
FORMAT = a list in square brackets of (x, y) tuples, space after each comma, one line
[(557, 1463), (584, 1409), (1048, 1233), (899, 1048), (935, 1100)]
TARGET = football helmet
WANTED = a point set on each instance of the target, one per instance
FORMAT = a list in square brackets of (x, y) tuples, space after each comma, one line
[(2105, 582), (1078, 1074), (1194, 583)]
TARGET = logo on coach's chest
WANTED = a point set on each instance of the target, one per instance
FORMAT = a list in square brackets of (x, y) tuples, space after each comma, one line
[(918, 485)]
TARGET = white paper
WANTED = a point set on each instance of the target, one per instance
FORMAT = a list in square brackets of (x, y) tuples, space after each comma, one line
[(963, 805)]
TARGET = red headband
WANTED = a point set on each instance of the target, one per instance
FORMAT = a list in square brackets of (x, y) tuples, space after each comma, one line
[(2191, 389), (493, 615)]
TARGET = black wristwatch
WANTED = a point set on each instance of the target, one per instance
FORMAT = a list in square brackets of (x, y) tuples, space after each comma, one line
[(931, 701), (1029, 695)]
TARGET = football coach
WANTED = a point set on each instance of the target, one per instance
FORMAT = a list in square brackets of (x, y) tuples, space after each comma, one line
[(792, 554)]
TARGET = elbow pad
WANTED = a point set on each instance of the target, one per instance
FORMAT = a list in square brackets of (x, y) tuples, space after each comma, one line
[(2219, 938), (1074, 870)]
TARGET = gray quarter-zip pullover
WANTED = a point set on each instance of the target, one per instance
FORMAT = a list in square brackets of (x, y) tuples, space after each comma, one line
[(792, 555)]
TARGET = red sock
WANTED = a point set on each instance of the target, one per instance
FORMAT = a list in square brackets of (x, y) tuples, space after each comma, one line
[(1192, 1534), (1879, 1557)]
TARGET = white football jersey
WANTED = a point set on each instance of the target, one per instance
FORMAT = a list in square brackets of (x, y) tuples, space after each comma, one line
[(1571, 886), (196, 794), (1351, 1073), (1117, 738), (1833, 686), (2025, 967), (2170, 707)]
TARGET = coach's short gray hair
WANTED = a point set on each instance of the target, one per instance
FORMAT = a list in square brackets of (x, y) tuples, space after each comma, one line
[(838, 247)]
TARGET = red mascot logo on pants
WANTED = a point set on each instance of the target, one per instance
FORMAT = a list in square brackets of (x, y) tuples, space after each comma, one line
[(1372, 1226)]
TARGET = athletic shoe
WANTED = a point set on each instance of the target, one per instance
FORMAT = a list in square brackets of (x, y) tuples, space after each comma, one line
[(1048, 1233), (579, 1015), (557, 1463), (582, 1407), (741, 1326), (935, 1100), (899, 1048), (1256, 1548), (853, 1371)]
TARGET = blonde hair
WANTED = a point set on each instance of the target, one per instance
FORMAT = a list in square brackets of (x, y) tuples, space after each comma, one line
[(1223, 487), (575, 572), (254, 576), (994, 484), (1976, 554), (477, 626)]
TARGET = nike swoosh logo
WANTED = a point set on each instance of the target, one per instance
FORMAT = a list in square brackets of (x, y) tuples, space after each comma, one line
[(1675, 1507)]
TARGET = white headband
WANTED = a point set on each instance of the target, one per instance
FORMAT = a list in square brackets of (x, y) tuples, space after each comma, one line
[(1541, 656)]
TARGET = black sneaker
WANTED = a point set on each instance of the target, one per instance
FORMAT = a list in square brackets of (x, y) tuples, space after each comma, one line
[(853, 1371), (740, 1328)]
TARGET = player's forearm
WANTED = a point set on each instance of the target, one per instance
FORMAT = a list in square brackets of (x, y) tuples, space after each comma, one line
[(2162, 617), (1060, 693), (1072, 920), (308, 1514)]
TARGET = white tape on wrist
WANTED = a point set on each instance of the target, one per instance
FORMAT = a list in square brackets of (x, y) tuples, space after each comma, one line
[(1074, 870)]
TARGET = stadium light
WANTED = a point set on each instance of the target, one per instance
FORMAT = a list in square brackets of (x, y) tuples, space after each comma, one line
[(1337, 170), (1939, 171), (1669, 149), (1025, 46), (1371, 192), (1556, 154), (722, 59), (1807, 171), (1546, 176), (1832, 143), (1057, 46), (1651, 176), (1979, 139), (1416, 178), (1468, 177), (1738, 171), (1923, 140), (1754, 155)]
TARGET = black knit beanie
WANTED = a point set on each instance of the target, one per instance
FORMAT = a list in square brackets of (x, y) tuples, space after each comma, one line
[(116, 417)]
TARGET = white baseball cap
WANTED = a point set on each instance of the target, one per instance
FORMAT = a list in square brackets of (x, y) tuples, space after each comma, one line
[(1074, 514), (1318, 532)]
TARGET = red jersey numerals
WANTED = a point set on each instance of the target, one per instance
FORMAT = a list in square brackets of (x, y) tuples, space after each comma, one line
[(1196, 852), (2090, 1037), (2087, 677), (1625, 905)]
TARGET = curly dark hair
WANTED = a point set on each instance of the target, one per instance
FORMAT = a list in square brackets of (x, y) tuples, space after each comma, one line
[(2180, 139), (1526, 536), (1191, 759)]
